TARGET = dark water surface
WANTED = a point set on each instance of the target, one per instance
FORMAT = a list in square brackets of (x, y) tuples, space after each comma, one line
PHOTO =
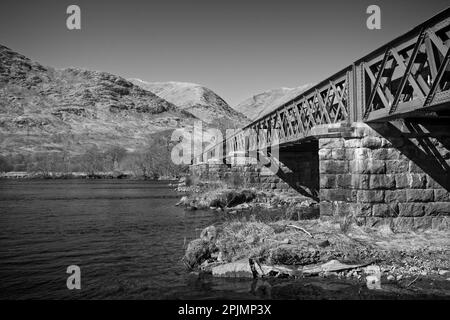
[(128, 238)]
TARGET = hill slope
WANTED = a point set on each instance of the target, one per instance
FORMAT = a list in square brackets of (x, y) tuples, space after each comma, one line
[(198, 100), (43, 109), (264, 102)]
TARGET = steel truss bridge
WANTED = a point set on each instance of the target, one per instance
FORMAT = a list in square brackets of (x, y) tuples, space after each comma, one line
[(407, 77)]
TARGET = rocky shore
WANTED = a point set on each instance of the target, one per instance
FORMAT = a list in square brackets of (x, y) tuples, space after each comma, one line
[(77, 175), (248, 202), (279, 235)]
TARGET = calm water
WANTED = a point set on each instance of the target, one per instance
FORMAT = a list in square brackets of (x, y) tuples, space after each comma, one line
[(128, 239), (126, 236)]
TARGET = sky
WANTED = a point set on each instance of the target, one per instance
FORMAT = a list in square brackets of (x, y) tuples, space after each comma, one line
[(236, 48)]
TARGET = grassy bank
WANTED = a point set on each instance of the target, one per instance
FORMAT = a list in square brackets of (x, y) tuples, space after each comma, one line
[(282, 234), (302, 244)]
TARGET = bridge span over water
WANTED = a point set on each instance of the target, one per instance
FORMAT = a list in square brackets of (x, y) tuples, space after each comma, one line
[(372, 139), (407, 78)]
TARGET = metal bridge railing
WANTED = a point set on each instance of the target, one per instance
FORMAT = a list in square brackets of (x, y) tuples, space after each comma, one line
[(408, 75)]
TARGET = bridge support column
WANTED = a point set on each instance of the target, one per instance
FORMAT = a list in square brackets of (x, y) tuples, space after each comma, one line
[(377, 176)]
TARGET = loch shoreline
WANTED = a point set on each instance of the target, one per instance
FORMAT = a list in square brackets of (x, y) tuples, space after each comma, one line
[(283, 236)]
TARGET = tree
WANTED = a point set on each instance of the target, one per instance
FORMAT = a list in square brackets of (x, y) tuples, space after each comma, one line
[(115, 154), (5, 165), (92, 160)]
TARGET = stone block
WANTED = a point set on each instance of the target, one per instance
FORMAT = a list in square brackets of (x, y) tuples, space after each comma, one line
[(419, 195), (352, 143), (377, 222), (337, 195), (402, 181), (403, 224), (367, 166), (327, 218), (325, 154), (360, 181), (440, 223), (362, 153), (332, 166), (385, 154), (411, 209), (384, 210), (381, 181), (342, 208), (417, 180), (437, 209), (350, 153), (422, 222), (331, 143), (327, 181), (338, 154), (396, 166), (370, 196), (371, 142), (441, 195), (344, 181), (395, 196), (362, 209)]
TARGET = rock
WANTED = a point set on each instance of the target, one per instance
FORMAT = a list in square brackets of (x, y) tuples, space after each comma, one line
[(209, 234), (247, 268), (324, 244), (238, 269), (414, 269), (277, 271), (330, 266), (182, 201), (390, 277), (220, 257), (443, 272), (197, 252), (373, 280)]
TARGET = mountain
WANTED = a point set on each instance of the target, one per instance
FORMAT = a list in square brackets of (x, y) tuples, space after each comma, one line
[(197, 100), (262, 103), (43, 109)]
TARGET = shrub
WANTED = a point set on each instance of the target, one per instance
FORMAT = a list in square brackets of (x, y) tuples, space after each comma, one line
[(5, 165)]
